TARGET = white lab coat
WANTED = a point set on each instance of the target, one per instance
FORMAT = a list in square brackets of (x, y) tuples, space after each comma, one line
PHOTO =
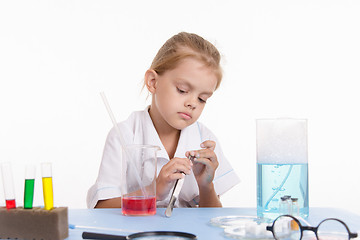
[(139, 129)]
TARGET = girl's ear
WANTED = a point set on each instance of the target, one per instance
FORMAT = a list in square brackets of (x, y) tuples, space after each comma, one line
[(150, 80)]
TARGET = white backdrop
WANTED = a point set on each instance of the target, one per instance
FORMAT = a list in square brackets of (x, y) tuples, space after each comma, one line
[(285, 58)]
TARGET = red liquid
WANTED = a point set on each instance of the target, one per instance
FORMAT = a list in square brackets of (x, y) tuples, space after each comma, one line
[(138, 206), (10, 203)]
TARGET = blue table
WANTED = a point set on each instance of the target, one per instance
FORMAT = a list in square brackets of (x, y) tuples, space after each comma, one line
[(192, 220)]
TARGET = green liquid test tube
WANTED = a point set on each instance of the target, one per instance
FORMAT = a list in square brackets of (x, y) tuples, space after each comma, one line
[(29, 186)]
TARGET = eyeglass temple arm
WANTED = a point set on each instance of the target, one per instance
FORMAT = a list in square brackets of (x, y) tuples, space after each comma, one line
[(351, 235)]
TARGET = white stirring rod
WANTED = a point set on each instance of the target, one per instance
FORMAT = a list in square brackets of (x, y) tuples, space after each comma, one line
[(106, 103), (73, 226), (122, 141)]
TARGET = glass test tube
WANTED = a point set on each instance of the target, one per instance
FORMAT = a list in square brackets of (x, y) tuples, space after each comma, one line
[(295, 207), (283, 207), (29, 186), (47, 185), (8, 183), (289, 202)]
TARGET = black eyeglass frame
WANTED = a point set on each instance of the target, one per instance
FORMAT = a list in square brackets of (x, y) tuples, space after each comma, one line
[(309, 228)]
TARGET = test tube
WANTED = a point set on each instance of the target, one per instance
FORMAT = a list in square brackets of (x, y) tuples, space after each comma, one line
[(8, 183), (295, 207), (294, 212), (283, 206), (47, 185), (29, 186)]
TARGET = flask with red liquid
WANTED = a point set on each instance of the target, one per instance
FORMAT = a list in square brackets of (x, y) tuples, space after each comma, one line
[(138, 180)]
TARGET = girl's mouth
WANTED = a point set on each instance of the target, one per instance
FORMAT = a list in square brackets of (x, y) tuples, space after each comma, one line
[(185, 116)]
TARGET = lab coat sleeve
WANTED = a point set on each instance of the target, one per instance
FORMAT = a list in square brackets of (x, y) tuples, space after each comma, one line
[(107, 184)]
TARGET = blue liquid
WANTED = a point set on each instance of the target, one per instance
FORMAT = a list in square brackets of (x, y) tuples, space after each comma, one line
[(277, 180)]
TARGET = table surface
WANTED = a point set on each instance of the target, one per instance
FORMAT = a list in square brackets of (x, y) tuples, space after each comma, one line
[(192, 220)]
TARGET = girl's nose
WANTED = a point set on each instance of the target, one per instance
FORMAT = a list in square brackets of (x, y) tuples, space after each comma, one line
[(191, 103)]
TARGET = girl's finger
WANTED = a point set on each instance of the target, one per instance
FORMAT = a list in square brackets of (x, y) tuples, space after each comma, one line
[(208, 144), (204, 161), (178, 165), (178, 168), (176, 176), (207, 162), (205, 153)]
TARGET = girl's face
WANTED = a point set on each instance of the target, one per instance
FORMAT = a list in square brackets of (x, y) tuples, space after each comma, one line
[(180, 94)]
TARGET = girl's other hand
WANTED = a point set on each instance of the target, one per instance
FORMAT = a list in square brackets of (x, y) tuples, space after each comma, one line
[(205, 163), (169, 173)]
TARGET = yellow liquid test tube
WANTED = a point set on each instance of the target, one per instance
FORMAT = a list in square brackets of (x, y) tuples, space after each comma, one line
[(47, 186)]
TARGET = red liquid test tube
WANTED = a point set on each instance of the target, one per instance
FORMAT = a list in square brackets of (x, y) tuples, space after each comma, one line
[(8, 183)]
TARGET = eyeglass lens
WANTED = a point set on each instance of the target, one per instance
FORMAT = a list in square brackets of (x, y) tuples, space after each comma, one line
[(286, 228), (332, 229)]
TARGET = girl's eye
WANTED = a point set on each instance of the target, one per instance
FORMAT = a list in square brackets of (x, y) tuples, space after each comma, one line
[(180, 90), (202, 100)]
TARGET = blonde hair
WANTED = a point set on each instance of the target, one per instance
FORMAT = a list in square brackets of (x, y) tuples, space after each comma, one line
[(184, 45)]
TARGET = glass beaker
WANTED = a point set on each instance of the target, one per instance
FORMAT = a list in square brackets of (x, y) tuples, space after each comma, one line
[(138, 180), (282, 165)]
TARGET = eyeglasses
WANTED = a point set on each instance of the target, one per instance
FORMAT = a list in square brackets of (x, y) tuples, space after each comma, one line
[(288, 227)]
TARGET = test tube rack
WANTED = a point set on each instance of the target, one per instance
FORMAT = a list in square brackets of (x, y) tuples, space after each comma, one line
[(35, 224)]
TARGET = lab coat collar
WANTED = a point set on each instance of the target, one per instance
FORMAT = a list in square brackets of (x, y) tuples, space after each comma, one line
[(189, 140)]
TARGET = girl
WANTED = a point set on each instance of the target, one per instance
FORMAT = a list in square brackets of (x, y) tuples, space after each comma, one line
[(183, 76)]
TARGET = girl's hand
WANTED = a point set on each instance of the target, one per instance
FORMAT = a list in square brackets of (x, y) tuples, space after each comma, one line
[(205, 163), (169, 173)]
